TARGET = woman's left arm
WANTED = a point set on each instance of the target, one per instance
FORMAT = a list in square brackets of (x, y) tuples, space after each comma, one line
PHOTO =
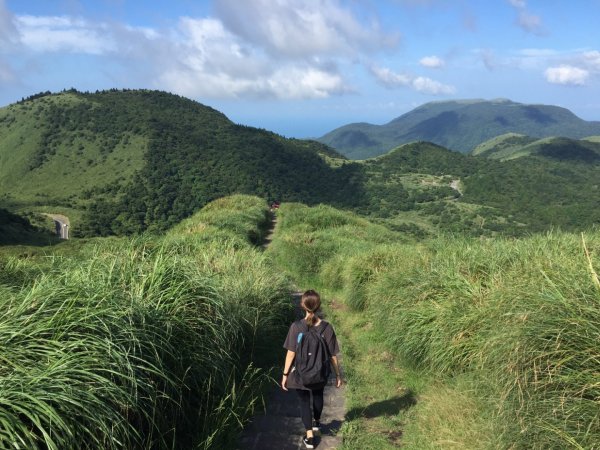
[(289, 360)]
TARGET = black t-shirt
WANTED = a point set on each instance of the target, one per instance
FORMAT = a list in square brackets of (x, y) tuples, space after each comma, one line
[(292, 337)]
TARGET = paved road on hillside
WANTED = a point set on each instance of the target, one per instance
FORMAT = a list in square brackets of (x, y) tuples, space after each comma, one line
[(62, 225)]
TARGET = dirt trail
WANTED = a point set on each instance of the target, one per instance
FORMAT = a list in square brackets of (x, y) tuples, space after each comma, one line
[(280, 427), (270, 232)]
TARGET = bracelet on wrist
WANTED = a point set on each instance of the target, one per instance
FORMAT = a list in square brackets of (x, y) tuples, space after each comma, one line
[(285, 374)]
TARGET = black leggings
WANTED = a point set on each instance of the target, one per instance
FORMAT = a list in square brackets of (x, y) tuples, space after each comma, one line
[(317, 409)]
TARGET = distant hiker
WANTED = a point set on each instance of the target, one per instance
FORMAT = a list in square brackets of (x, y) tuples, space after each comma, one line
[(311, 347)]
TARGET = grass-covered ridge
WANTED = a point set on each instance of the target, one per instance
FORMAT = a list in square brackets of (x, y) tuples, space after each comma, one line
[(512, 146), (507, 328), (143, 343)]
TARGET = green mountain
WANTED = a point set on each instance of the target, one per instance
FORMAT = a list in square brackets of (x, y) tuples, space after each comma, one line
[(509, 146), (458, 125), (135, 160), (501, 147)]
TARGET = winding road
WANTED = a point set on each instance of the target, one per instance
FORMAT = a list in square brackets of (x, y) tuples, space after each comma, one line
[(62, 225)]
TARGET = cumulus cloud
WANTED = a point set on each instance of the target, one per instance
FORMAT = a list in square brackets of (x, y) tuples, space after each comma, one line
[(301, 28), (390, 79), (393, 80), (574, 69), (256, 48), (433, 62), (209, 60), (567, 75)]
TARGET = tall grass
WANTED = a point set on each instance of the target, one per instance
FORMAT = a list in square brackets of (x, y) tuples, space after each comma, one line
[(518, 319), (143, 343)]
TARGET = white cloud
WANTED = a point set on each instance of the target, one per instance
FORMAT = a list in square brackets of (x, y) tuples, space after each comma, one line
[(567, 75), (302, 28), (255, 48), (573, 68), (64, 34), (210, 61), (392, 80), (433, 62), (429, 86)]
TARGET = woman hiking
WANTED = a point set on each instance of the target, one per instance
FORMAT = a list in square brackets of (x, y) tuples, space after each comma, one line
[(312, 350)]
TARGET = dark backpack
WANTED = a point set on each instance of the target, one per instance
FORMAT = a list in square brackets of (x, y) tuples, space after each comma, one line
[(312, 356)]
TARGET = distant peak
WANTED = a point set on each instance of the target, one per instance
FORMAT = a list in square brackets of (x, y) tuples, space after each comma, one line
[(471, 101)]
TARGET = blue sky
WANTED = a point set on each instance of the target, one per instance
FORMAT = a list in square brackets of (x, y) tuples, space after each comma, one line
[(304, 67)]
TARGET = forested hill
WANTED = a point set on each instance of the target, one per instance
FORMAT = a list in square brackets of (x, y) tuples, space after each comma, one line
[(459, 125), (138, 159)]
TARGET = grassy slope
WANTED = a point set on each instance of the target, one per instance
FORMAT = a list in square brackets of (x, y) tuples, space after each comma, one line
[(143, 343), (508, 147), (80, 161), (480, 333), (502, 146)]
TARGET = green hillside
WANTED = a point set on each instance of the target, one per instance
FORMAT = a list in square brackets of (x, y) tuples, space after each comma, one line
[(54, 149), (137, 160), (458, 125), (558, 148), (474, 195)]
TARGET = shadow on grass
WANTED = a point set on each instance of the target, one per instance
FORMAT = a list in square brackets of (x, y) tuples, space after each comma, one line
[(389, 407)]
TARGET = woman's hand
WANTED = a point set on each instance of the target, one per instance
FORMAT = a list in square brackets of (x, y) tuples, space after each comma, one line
[(284, 383), (338, 381)]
